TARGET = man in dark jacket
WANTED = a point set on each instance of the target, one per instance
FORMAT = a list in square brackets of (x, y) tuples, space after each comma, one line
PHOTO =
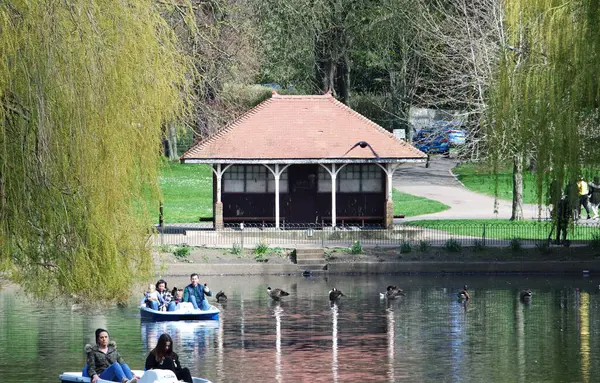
[(194, 293)]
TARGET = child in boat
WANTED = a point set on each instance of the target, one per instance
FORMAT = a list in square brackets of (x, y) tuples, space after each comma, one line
[(177, 295), (150, 295)]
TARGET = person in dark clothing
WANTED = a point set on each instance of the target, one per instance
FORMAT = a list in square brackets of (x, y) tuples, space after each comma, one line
[(562, 220), (162, 357)]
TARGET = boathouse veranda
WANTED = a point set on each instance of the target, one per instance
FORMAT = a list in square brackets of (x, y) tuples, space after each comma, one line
[(304, 161)]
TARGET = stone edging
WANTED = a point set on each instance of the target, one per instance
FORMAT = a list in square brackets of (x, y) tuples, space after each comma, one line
[(530, 267)]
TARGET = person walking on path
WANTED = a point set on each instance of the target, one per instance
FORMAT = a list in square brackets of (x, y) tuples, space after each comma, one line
[(583, 192), (594, 196), (195, 292)]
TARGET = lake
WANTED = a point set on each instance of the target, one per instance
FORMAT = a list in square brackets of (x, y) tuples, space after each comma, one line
[(426, 336)]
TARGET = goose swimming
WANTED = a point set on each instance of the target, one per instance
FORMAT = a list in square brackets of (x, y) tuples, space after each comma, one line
[(334, 294), (463, 295), (221, 297), (276, 294), (392, 292)]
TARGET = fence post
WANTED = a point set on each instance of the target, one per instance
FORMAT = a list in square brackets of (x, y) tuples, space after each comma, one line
[(483, 235), (242, 236)]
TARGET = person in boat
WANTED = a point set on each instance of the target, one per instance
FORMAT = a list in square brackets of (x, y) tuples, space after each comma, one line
[(105, 362), (177, 294), (161, 298), (195, 292), (163, 357)]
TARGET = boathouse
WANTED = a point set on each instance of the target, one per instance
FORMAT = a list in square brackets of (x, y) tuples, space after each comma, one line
[(277, 163)]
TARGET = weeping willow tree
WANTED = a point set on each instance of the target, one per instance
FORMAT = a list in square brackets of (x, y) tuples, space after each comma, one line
[(85, 87), (545, 101)]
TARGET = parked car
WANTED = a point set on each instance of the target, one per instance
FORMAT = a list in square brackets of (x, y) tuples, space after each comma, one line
[(439, 137)]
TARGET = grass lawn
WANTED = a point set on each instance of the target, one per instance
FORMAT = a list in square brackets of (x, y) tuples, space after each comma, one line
[(502, 229), (187, 195), (480, 178)]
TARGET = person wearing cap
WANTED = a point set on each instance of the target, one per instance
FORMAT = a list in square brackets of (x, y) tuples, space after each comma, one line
[(195, 292), (105, 362)]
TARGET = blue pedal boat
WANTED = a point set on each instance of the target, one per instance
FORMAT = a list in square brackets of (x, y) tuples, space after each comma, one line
[(182, 314), (153, 377)]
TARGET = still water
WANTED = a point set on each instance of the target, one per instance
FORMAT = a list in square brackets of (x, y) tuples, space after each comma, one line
[(426, 336)]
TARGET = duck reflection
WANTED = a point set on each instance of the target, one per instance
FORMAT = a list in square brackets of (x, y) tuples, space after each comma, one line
[(191, 337), (334, 336), (277, 311), (391, 343)]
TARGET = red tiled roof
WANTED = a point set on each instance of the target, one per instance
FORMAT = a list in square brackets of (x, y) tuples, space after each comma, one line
[(301, 127)]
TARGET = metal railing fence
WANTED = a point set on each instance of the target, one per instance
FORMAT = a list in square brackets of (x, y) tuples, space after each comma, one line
[(292, 235)]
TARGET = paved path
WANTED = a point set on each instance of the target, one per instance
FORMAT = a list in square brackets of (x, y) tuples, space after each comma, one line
[(438, 183)]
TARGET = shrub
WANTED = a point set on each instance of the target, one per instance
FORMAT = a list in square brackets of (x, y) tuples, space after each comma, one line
[(424, 246), (165, 248), (515, 244), (236, 249), (478, 245), (405, 247), (261, 249), (356, 248), (277, 251), (595, 242), (182, 252), (453, 245), (543, 247)]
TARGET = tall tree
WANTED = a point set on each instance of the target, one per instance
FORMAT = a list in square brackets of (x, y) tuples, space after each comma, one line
[(546, 94), (85, 89)]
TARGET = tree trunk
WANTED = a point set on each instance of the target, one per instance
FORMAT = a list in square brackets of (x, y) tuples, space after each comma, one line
[(343, 80), (517, 203), (172, 140)]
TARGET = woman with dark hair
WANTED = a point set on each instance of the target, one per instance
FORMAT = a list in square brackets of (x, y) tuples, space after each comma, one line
[(105, 362), (161, 299), (163, 357)]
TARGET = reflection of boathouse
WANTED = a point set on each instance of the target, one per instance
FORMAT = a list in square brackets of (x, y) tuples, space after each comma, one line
[(277, 163)]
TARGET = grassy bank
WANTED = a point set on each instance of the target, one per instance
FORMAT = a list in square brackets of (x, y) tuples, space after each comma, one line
[(503, 229), (188, 195), (480, 178)]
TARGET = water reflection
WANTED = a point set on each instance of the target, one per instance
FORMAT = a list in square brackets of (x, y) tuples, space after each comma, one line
[(584, 317), (277, 311), (334, 337), (424, 337), (191, 339), (391, 344)]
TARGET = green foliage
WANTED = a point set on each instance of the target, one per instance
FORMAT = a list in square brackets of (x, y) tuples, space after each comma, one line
[(595, 242), (182, 252), (405, 247), (453, 245), (86, 87), (261, 249), (545, 95), (515, 245), (424, 246), (165, 248), (543, 247), (236, 249), (478, 245), (356, 248)]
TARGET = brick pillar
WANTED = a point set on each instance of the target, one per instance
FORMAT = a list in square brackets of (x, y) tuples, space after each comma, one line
[(389, 214), (219, 216)]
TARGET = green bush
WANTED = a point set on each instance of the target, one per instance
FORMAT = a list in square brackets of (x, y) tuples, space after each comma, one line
[(453, 245), (405, 247), (182, 252), (595, 242), (478, 245), (261, 249), (424, 246), (356, 248), (236, 249), (515, 245), (543, 247)]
